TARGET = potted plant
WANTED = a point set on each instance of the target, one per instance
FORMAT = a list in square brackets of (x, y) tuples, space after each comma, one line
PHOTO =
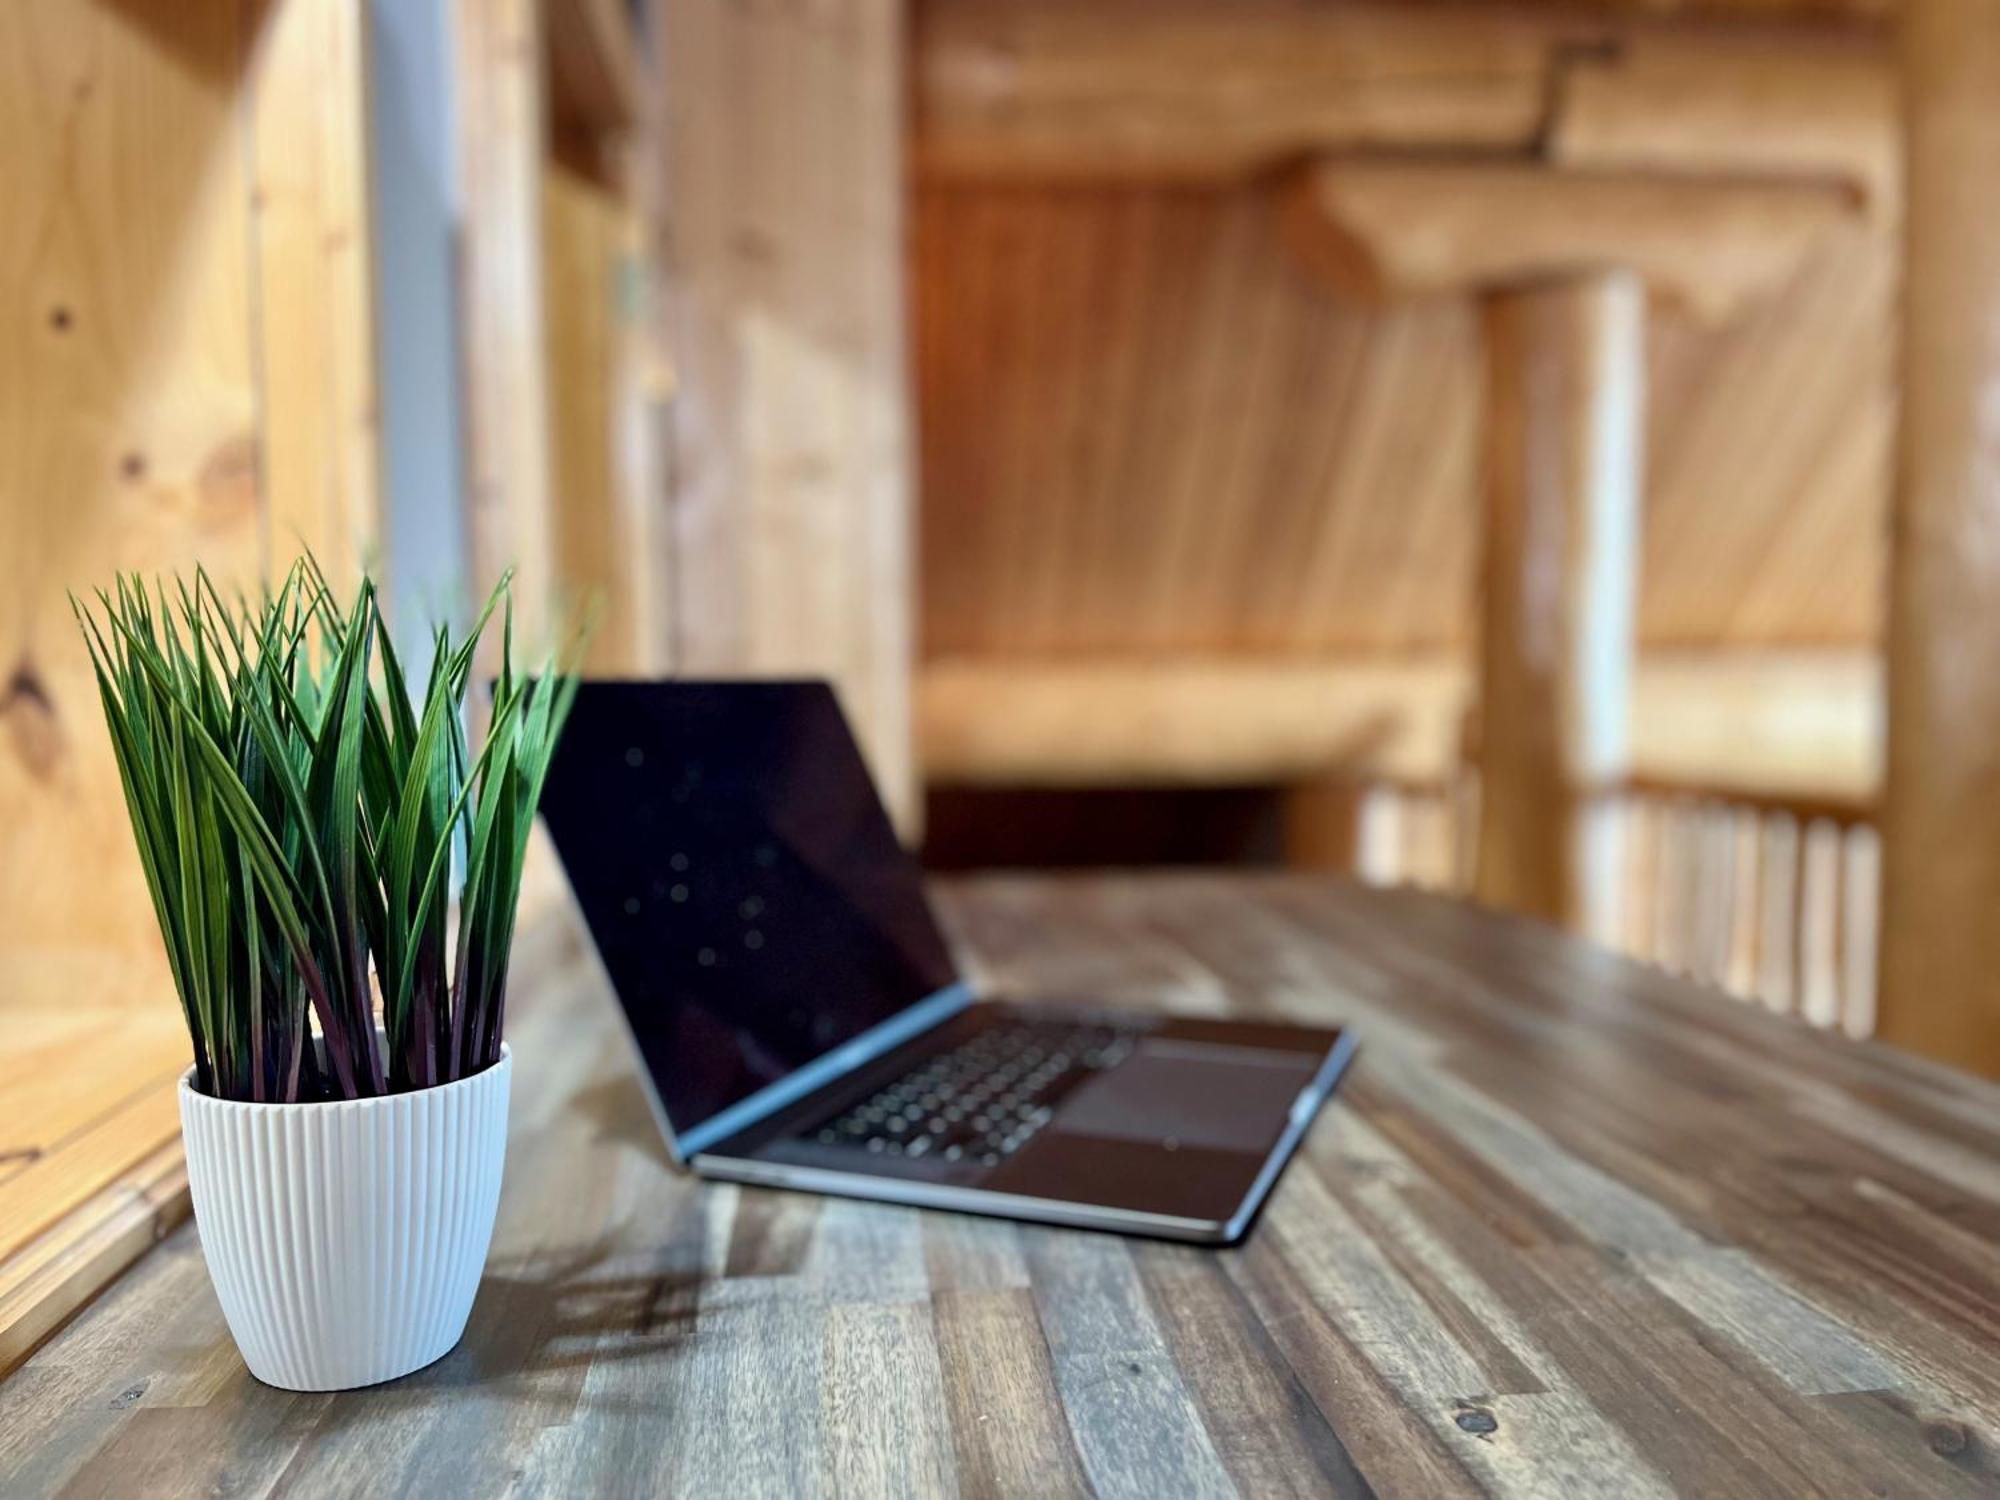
[(303, 822)]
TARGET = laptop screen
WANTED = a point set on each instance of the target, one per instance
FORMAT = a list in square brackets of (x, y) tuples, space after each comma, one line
[(741, 881)]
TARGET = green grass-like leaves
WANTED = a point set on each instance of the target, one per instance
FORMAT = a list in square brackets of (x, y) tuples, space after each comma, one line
[(301, 819)]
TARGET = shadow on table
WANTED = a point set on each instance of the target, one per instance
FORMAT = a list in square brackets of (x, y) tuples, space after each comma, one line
[(617, 1112), (535, 1331)]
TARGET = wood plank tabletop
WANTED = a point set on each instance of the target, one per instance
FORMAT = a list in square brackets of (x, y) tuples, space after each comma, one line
[(1572, 1227)]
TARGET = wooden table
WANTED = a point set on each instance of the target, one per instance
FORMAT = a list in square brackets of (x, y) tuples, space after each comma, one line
[(1573, 1228)]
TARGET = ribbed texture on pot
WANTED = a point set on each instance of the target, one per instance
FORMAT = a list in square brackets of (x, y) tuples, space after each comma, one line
[(346, 1240)]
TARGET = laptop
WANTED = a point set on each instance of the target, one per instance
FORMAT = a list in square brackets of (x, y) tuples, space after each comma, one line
[(801, 1022)]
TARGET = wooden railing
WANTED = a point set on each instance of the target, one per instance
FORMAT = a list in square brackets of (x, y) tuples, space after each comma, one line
[(1771, 896)]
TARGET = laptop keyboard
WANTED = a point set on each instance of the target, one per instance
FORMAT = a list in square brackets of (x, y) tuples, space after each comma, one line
[(984, 1099)]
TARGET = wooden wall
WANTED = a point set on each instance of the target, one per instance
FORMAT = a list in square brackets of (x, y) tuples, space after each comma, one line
[(1145, 430), (609, 530), (784, 253), (184, 377)]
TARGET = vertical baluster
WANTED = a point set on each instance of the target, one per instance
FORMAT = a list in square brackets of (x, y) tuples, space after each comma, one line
[(1378, 857), (1416, 838), (1693, 889), (1863, 854), (1642, 861), (1718, 849), (1434, 839), (1776, 982), (1746, 907), (1819, 908), (1683, 885), (1690, 897), (1465, 830), (1666, 887)]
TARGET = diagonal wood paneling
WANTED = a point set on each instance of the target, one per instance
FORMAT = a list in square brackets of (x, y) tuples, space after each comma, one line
[(1145, 430), (1769, 472)]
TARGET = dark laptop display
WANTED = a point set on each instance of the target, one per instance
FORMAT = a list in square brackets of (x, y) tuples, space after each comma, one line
[(799, 1018), (754, 912)]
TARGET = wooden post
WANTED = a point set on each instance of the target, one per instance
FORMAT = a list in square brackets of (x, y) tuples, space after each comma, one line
[(1564, 420), (500, 101), (1940, 989), (791, 431)]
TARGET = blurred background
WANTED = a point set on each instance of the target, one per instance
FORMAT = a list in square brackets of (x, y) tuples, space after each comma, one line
[(1450, 444)]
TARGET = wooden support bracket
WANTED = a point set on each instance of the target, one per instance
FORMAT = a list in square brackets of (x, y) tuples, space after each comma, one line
[(1395, 229)]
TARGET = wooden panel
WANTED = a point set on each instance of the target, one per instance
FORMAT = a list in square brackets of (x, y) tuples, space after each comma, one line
[(128, 434), (187, 379), (1561, 479), (1571, 1227), (312, 288), (1941, 860), (1798, 720), (1226, 722), (605, 511), (500, 106), (1768, 465), (1143, 430), (791, 440)]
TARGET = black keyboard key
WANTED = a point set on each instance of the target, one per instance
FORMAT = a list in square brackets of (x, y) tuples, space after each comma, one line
[(985, 1099)]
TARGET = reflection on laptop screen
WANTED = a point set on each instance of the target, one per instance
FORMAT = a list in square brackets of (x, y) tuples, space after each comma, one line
[(740, 879)]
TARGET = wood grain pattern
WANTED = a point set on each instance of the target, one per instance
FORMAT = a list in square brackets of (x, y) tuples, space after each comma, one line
[(1208, 90), (1700, 101), (1145, 430), (303, 98), (1805, 722), (1941, 867), (186, 378), (1123, 88), (1573, 1227), (792, 502), (1383, 230), (500, 114), (605, 524), (128, 434), (45, 1281), (1565, 413)]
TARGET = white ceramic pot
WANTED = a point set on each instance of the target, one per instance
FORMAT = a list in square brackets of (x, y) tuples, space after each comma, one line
[(346, 1239)]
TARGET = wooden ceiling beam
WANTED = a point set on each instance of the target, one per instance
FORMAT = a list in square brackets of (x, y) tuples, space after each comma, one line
[(1179, 90), (1702, 102), (1203, 90), (1393, 229)]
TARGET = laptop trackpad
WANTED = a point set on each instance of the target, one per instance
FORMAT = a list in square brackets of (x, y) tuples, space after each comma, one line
[(1192, 1093)]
